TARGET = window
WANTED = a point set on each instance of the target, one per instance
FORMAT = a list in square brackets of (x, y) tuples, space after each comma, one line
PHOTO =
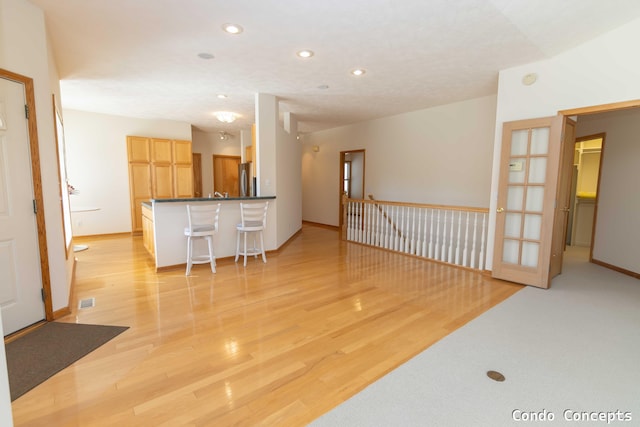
[(346, 182)]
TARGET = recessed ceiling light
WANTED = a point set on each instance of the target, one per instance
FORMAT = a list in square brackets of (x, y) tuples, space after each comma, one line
[(323, 87), (222, 96), (358, 72), (306, 53), (205, 55), (232, 28)]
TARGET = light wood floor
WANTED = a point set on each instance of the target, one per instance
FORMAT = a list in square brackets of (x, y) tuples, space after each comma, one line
[(270, 344)]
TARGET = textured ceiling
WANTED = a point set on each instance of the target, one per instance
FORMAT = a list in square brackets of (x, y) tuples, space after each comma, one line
[(139, 58)]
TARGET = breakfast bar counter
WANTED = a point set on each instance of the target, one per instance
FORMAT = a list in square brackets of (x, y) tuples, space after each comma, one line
[(164, 221)]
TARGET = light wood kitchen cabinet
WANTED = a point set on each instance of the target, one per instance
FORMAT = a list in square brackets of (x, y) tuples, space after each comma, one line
[(182, 153), (183, 182), (147, 230), (161, 151), (162, 181), (158, 169), (138, 149), (139, 190)]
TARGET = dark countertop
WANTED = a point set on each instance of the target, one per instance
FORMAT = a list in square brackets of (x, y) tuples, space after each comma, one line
[(208, 199)]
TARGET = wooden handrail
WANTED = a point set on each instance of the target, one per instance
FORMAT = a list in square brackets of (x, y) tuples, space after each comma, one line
[(422, 205)]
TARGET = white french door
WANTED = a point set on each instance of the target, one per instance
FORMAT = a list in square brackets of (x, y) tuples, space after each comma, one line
[(526, 200), (21, 299)]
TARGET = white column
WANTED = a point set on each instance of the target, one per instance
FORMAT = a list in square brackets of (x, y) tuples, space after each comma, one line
[(266, 134)]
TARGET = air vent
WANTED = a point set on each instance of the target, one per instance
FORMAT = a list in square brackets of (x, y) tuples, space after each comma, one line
[(87, 303)]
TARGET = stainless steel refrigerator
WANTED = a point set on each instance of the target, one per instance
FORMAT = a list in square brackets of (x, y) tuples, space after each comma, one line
[(247, 182)]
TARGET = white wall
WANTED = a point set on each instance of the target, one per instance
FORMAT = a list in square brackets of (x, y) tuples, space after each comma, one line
[(98, 166), (601, 71), (288, 173), (439, 155), (208, 144), (24, 50), (617, 239)]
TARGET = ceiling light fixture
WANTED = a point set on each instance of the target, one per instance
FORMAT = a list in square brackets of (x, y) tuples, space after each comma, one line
[(225, 116), (306, 53), (529, 79), (205, 55), (358, 72), (222, 96), (232, 28), (223, 136)]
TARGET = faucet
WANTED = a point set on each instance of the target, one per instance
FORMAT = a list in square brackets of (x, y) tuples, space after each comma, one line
[(216, 194)]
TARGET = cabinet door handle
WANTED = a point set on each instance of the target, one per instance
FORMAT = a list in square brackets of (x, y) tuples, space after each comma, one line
[(500, 210)]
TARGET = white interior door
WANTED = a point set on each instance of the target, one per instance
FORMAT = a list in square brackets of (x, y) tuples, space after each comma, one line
[(526, 200), (20, 270)]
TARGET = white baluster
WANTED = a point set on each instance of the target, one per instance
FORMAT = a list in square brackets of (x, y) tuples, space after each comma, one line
[(458, 240), (424, 234), (367, 220), (475, 235), (437, 246), (356, 222), (386, 229), (482, 244), (419, 240), (348, 219), (465, 253), (403, 230), (451, 238), (396, 215), (431, 235), (444, 237)]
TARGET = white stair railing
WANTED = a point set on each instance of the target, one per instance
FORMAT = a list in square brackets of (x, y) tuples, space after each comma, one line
[(450, 234)]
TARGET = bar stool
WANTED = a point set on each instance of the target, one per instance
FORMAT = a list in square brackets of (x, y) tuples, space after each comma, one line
[(253, 217), (203, 223)]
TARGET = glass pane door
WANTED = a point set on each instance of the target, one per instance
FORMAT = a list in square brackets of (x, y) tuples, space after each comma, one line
[(525, 196)]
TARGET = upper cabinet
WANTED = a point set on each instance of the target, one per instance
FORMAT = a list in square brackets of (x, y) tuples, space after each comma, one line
[(162, 150), (138, 149), (158, 169), (182, 154)]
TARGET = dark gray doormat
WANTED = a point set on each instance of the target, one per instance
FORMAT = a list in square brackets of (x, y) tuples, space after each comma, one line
[(40, 354)]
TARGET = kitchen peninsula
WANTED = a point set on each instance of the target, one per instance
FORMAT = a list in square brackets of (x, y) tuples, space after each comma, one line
[(164, 221)]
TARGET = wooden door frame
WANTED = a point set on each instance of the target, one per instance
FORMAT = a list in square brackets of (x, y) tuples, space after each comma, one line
[(197, 178), (596, 109), (563, 188), (340, 191), (603, 137), (37, 186)]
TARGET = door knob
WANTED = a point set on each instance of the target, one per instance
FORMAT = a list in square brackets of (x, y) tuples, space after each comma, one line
[(500, 210)]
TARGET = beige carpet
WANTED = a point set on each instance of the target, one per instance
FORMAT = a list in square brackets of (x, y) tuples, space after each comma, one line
[(570, 352)]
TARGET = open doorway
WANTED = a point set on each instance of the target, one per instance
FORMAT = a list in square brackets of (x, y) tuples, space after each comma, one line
[(584, 190), (605, 225), (351, 176)]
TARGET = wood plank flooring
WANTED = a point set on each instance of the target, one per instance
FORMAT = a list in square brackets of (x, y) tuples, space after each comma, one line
[(270, 344)]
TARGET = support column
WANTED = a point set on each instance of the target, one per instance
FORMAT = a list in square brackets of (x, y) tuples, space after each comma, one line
[(266, 133)]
